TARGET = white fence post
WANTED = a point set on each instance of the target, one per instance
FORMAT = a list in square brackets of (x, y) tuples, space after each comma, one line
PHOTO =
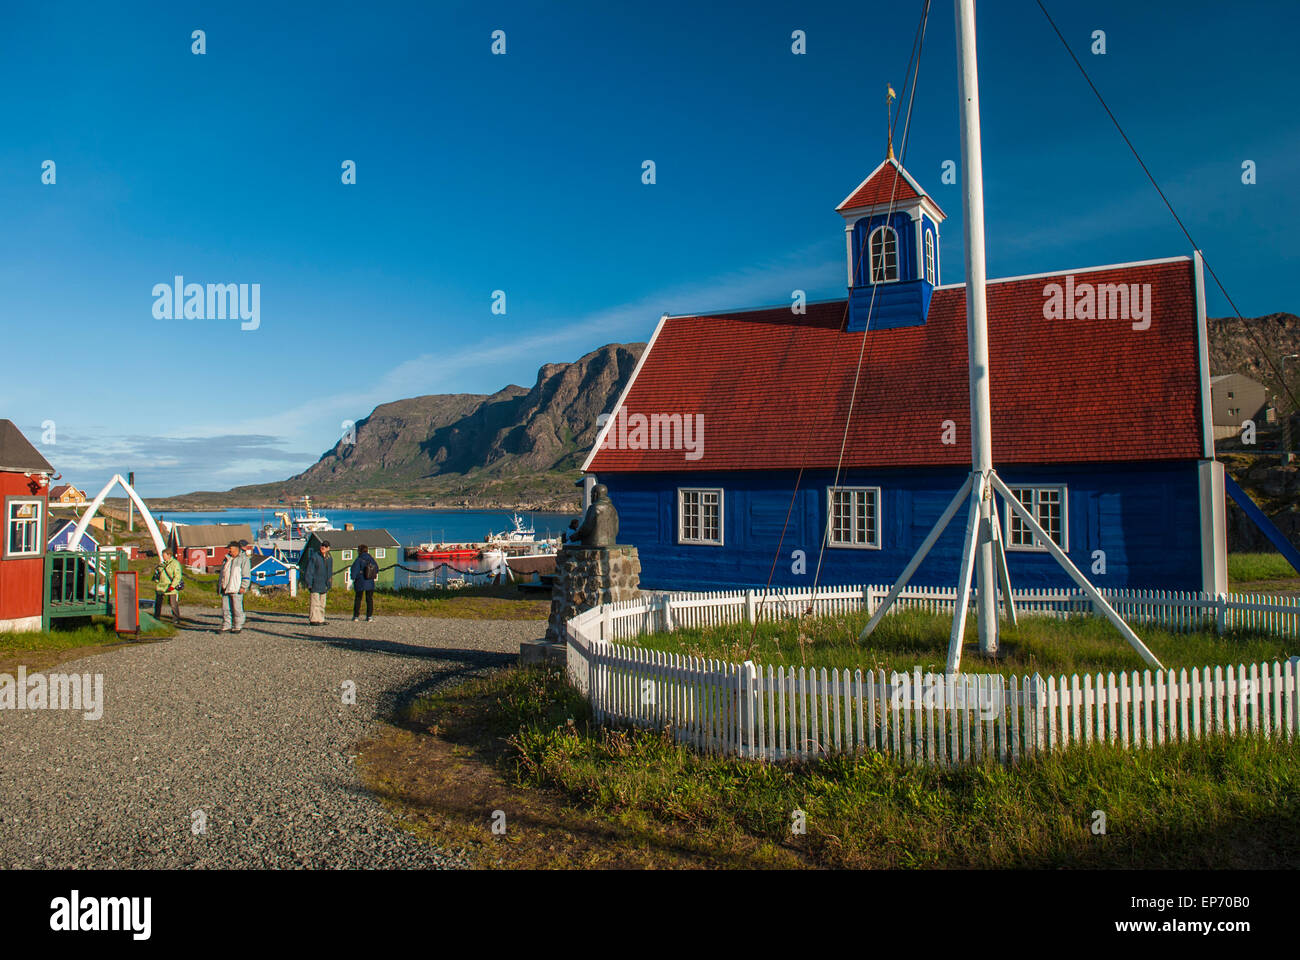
[(749, 704)]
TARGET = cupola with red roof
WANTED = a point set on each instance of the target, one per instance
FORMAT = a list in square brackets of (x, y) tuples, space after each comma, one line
[(891, 231)]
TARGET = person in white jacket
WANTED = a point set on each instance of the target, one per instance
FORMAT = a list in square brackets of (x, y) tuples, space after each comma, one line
[(236, 574)]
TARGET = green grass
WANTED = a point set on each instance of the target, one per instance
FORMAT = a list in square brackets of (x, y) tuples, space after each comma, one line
[(911, 638), (49, 645), (1216, 803), (1253, 567)]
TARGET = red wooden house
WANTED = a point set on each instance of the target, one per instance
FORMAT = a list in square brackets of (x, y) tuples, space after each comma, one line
[(24, 483)]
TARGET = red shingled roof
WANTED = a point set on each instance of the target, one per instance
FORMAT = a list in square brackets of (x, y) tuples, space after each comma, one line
[(773, 387), (880, 186)]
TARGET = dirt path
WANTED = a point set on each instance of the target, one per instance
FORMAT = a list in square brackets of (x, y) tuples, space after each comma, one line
[(248, 733)]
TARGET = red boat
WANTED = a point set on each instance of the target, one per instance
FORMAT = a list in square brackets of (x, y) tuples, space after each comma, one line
[(446, 552)]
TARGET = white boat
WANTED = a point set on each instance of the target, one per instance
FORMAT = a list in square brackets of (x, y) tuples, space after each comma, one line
[(304, 522), (287, 541), (520, 534)]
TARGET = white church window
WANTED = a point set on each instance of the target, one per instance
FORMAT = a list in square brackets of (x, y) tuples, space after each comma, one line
[(884, 255), (854, 516), (699, 515), (929, 257), (1047, 505)]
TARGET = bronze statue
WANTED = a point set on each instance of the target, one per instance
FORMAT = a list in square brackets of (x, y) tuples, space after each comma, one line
[(599, 527)]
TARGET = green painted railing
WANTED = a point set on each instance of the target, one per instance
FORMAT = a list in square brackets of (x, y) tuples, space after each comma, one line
[(79, 583)]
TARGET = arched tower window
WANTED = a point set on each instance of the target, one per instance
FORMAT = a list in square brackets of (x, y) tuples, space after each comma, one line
[(884, 255), (929, 257)]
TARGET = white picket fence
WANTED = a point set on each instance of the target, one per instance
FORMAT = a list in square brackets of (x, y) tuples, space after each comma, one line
[(787, 713)]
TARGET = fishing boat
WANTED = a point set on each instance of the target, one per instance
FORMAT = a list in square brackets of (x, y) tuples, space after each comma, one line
[(519, 541), (520, 534), (446, 552), (287, 541)]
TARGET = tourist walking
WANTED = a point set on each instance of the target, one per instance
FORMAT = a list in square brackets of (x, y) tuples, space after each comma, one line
[(232, 584), (364, 572), (318, 577), (167, 577)]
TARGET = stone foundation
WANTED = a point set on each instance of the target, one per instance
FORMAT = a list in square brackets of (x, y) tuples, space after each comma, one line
[(586, 577)]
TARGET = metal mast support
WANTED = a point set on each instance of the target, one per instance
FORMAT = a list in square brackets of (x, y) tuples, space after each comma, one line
[(983, 553)]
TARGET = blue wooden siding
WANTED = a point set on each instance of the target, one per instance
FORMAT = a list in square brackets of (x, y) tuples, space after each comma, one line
[(274, 573), (1145, 517)]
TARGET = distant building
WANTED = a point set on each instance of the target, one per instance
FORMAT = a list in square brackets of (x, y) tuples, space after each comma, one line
[(383, 547), (61, 531), (270, 572), (66, 493), (1234, 399), (204, 544)]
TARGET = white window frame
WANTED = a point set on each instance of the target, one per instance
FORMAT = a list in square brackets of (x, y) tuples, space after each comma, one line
[(929, 257), (381, 553), (38, 544), (681, 515), (884, 247), (1034, 508), (212, 552), (874, 533), (347, 555)]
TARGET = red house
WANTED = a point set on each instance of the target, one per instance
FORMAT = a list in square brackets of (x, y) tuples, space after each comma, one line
[(24, 482)]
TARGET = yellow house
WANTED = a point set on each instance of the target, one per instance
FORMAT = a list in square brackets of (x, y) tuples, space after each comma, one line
[(66, 493)]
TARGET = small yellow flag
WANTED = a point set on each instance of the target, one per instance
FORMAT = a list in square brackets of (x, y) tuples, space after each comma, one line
[(892, 94)]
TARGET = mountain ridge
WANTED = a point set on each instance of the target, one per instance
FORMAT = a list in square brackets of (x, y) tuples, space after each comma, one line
[(515, 448)]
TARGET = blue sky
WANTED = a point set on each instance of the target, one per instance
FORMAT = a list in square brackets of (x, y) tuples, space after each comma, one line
[(522, 173)]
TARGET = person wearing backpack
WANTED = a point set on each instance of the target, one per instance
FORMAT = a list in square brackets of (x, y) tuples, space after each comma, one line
[(364, 572)]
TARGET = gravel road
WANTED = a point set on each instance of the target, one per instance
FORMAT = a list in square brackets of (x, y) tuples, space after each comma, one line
[(250, 729)]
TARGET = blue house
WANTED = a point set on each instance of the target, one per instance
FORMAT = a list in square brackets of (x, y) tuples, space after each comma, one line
[(823, 440), (61, 532), (269, 572)]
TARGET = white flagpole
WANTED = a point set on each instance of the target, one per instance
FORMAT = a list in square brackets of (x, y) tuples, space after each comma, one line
[(977, 333)]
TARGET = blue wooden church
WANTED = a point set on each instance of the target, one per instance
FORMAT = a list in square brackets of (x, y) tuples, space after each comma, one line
[(752, 444)]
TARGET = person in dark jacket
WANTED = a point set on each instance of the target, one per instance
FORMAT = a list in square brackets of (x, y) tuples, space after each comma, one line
[(318, 577), (364, 572)]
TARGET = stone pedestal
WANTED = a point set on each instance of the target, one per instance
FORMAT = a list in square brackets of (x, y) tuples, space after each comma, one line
[(586, 577)]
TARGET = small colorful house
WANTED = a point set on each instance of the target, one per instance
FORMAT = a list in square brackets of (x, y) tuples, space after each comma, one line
[(202, 546), (823, 440), (61, 531), (24, 481), (383, 546), (66, 494), (270, 571)]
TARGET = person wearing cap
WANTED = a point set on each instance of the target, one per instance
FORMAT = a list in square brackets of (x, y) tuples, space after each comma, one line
[(236, 574), (318, 577)]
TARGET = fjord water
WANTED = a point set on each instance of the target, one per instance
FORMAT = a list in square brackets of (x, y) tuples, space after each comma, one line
[(410, 527)]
